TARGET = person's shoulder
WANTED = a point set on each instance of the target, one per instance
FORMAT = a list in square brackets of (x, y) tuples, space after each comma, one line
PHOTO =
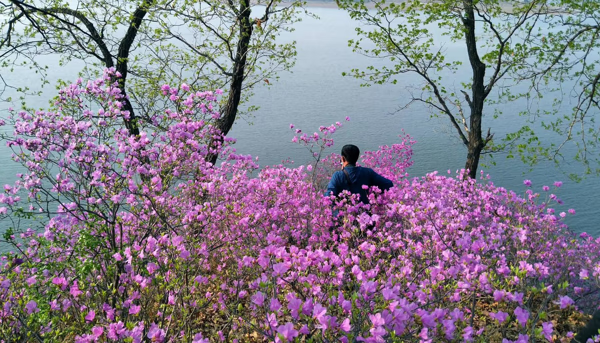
[(337, 174)]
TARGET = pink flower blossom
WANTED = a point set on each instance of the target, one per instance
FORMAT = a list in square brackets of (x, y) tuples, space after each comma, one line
[(522, 316), (468, 334), (294, 306), (319, 311), (32, 307), (500, 316), (449, 328), (280, 268), (345, 325), (156, 334), (258, 298), (135, 309), (565, 301), (193, 236), (116, 330), (97, 331), (547, 330), (75, 292), (287, 331), (275, 305), (198, 338), (90, 316), (60, 281), (151, 267)]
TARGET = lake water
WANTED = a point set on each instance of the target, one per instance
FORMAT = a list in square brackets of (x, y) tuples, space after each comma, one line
[(315, 93)]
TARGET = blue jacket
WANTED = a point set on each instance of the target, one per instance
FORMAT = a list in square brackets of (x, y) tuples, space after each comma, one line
[(359, 176)]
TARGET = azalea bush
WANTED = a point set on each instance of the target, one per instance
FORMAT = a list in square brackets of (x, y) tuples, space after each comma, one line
[(141, 239)]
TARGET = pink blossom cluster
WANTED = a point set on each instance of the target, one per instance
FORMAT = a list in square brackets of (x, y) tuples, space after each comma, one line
[(143, 240)]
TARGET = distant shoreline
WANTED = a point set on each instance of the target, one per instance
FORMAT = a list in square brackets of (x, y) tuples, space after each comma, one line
[(506, 6), (322, 4)]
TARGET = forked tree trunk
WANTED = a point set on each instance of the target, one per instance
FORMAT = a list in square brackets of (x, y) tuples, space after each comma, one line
[(107, 58), (476, 142), (230, 110)]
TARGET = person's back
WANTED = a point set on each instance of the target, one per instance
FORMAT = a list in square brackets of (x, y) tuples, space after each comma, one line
[(353, 178)]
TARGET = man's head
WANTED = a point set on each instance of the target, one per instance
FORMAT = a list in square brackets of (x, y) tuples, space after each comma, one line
[(350, 154)]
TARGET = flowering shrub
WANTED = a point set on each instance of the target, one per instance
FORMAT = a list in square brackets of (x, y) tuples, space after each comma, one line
[(389, 161), (143, 240)]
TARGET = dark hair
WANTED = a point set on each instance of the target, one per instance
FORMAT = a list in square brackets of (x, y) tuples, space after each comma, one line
[(350, 152)]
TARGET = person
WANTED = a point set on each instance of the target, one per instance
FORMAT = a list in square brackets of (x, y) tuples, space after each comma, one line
[(591, 329), (353, 178)]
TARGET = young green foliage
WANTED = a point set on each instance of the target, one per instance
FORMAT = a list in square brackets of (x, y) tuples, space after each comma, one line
[(207, 45), (505, 57)]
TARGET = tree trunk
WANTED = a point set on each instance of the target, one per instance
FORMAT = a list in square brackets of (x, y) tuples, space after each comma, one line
[(476, 142), (124, 47), (123, 58), (229, 111)]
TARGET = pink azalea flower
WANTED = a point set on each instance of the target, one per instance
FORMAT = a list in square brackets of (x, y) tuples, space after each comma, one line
[(468, 334), (97, 331), (428, 319), (152, 267), (294, 306), (60, 281), (499, 316), (198, 338), (90, 316), (31, 307), (345, 325), (522, 339), (75, 292), (347, 305), (287, 331), (116, 330), (135, 309), (272, 320), (275, 305), (565, 301), (258, 298), (522, 316), (304, 330), (547, 330), (156, 334), (280, 268), (54, 306), (319, 311), (449, 328), (307, 308), (31, 281)]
